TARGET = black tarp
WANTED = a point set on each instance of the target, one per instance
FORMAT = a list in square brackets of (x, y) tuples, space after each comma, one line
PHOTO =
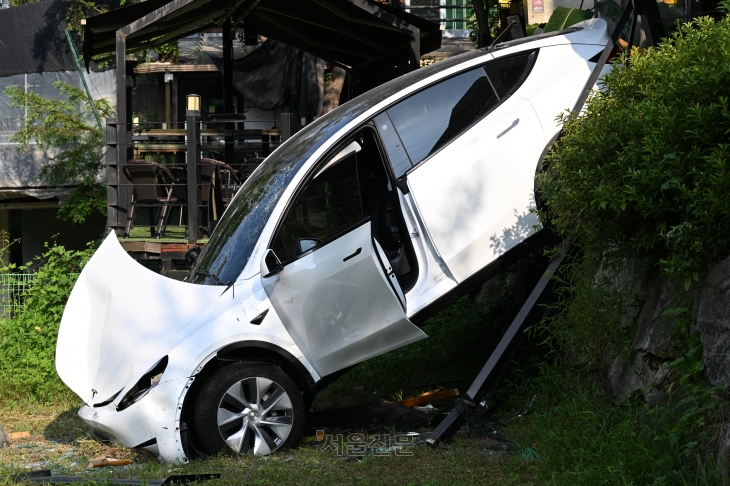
[(276, 75), (32, 39)]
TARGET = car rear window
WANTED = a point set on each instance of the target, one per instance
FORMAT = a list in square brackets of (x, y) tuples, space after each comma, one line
[(430, 119)]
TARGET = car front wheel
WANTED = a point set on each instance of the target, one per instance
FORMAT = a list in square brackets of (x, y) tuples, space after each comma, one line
[(249, 409)]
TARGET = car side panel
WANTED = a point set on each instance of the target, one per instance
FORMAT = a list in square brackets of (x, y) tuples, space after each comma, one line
[(556, 81), (475, 195)]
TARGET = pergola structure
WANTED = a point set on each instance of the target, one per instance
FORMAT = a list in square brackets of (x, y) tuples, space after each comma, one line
[(359, 35)]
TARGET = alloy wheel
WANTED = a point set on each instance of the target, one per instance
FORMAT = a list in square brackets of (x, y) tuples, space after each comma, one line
[(255, 415)]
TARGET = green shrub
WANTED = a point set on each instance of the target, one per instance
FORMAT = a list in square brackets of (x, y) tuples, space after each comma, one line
[(28, 341), (647, 168)]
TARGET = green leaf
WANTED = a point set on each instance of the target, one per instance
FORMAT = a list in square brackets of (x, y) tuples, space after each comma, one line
[(564, 17)]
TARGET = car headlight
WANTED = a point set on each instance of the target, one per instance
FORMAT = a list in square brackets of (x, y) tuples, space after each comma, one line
[(146, 383)]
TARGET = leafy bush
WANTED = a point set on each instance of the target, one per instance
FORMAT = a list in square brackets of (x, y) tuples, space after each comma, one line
[(28, 341), (647, 168)]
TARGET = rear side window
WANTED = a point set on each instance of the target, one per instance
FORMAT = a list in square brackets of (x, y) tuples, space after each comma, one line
[(505, 74), (431, 118)]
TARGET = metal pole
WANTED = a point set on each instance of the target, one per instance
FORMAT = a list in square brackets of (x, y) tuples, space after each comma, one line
[(529, 311), (194, 181), (83, 80), (125, 149)]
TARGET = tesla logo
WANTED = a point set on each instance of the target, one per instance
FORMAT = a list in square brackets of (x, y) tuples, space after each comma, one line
[(537, 6), (93, 393)]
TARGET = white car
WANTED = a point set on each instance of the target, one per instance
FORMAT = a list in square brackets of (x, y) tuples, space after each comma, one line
[(350, 234)]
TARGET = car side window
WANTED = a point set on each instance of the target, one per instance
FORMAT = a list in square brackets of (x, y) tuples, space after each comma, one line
[(431, 118), (506, 74), (329, 204)]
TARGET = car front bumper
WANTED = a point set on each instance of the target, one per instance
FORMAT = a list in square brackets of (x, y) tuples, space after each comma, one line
[(152, 423)]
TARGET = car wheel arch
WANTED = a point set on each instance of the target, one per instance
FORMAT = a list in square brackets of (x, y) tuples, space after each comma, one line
[(253, 352)]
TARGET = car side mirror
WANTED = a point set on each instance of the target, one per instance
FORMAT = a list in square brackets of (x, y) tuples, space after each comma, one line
[(306, 244), (191, 256), (270, 264)]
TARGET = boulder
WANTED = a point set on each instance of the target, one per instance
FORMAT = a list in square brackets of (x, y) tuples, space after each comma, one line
[(645, 366), (712, 313)]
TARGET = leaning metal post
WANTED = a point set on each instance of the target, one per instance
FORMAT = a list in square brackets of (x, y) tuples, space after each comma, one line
[(456, 418), (529, 311)]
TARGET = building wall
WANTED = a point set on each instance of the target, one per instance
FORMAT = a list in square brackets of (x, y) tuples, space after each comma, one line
[(534, 16), (41, 225)]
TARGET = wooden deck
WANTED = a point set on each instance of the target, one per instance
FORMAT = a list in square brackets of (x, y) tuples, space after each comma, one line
[(171, 256)]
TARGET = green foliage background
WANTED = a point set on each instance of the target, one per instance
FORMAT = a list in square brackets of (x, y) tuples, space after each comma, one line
[(28, 341), (641, 175), (646, 168)]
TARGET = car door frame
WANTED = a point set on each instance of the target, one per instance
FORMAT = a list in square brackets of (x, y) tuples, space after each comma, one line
[(389, 280)]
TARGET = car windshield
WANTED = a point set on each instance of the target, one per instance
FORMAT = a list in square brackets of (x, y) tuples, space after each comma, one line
[(235, 236)]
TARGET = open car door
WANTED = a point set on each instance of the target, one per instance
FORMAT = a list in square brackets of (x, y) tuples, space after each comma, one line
[(336, 292)]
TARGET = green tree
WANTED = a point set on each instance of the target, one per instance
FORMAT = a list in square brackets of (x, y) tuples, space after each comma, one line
[(76, 147)]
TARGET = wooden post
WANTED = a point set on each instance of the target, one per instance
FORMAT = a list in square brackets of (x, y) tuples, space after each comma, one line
[(228, 87), (194, 181), (113, 176), (125, 148)]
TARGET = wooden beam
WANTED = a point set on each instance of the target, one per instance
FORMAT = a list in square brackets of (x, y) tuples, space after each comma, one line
[(350, 18), (182, 26), (311, 42), (332, 28), (155, 15), (30, 205), (188, 28)]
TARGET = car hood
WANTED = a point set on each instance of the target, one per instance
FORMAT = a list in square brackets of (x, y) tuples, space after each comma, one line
[(120, 319)]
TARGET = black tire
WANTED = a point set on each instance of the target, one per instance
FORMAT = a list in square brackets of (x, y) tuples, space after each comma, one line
[(255, 431)]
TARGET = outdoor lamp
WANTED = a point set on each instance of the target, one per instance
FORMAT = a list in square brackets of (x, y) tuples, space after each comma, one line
[(193, 102)]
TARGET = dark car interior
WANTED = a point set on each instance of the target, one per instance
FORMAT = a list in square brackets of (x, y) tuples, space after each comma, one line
[(353, 184), (380, 201)]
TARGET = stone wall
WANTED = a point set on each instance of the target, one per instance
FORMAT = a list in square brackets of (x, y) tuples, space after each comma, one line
[(657, 342)]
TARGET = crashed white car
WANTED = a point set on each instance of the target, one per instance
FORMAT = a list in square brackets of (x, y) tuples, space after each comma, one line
[(347, 237)]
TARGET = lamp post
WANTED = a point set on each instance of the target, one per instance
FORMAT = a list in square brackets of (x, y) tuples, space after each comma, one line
[(192, 118)]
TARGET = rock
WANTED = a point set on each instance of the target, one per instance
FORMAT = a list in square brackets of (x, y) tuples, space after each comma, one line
[(628, 279), (713, 324), (654, 346)]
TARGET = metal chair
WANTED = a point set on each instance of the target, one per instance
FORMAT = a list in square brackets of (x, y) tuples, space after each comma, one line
[(147, 178)]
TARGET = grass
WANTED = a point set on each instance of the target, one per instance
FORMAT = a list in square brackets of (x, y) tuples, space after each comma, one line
[(565, 428), (59, 442)]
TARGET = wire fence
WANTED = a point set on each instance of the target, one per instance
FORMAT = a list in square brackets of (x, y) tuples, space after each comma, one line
[(12, 293)]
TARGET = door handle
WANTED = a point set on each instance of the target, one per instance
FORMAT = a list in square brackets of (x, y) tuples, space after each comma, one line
[(514, 124), (357, 252)]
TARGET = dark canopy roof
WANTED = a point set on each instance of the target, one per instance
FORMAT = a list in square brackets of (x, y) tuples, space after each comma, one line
[(359, 34), (32, 39)]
